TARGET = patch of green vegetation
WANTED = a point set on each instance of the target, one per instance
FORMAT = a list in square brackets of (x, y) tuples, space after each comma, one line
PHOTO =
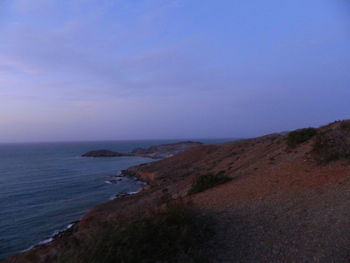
[(207, 181), (172, 236), (300, 136)]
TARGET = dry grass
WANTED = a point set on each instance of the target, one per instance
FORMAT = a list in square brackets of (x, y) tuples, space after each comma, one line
[(173, 235), (207, 181), (300, 136), (333, 144)]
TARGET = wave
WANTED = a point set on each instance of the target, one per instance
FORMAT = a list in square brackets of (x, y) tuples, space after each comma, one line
[(119, 177), (52, 237), (113, 181), (115, 196)]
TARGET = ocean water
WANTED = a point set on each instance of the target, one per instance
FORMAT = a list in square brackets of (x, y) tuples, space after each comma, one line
[(46, 186)]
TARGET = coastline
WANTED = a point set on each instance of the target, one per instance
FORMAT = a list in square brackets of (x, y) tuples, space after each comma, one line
[(118, 176), (165, 181), (47, 186), (55, 235), (69, 227), (277, 199)]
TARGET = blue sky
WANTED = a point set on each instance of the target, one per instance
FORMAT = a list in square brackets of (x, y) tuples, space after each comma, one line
[(146, 69)]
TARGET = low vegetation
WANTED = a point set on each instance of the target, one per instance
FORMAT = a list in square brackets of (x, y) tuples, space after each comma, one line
[(207, 181), (175, 235), (300, 136), (333, 144), (345, 125)]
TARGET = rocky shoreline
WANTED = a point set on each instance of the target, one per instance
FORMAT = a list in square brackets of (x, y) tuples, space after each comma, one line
[(59, 234), (126, 174)]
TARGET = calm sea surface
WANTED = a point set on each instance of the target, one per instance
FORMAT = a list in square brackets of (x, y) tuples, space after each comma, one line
[(46, 186)]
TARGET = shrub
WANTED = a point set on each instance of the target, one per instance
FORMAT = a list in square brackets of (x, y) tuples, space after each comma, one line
[(171, 236), (333, 144), (207, 181), (299, 136), (345, 125)]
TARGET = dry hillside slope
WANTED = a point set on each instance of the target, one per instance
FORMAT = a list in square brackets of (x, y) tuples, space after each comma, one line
[(286, 201)]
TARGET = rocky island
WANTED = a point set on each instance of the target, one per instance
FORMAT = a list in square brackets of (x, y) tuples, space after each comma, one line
[(155, 152), (103, 153)]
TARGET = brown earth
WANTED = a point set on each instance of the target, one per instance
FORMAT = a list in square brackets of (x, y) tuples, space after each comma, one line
[(280, 206)]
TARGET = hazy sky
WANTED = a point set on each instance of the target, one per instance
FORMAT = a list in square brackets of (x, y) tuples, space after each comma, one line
[(138, 69)]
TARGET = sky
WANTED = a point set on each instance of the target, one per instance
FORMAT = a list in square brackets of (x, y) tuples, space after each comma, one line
[(146, 69)]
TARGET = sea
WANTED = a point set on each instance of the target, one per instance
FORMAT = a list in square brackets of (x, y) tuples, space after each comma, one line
[(45, 187)]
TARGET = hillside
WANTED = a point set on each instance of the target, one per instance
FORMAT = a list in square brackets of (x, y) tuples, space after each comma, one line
[(287, 199)]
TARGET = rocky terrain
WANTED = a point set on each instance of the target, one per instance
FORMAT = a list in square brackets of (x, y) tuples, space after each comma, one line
[(287, 199), (155, 152)]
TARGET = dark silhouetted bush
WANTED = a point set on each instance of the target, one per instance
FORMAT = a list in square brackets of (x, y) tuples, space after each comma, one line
[(299, 136), (345, 125), (207, 181), (171, 236), (333, 144)]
